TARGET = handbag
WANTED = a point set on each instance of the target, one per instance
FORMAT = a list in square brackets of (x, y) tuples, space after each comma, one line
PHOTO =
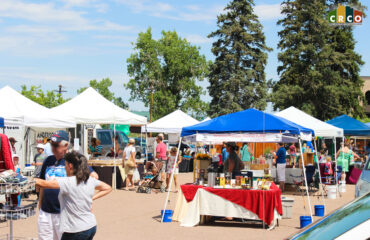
[(130, 163)]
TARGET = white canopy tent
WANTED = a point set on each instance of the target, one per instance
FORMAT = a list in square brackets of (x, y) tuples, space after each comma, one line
[(25, 119), (90, 107), (322, 129), (171, 123), (19, 110)]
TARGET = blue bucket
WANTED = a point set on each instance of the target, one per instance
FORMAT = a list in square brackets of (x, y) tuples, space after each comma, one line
[(167, 215), (28, 165), (305, 221), (319, 210)]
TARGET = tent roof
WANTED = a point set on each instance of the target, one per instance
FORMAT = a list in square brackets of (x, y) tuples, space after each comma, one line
[(322, 129), (1, 122), (16, 108), (91, 107), (171, 123), (250, 120), (350, 125)]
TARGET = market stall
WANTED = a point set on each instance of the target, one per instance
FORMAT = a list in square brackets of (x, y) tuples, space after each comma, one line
[(90, 107), (25, 119), (360, 132), (246, 126), (171, 124), (322, 129)]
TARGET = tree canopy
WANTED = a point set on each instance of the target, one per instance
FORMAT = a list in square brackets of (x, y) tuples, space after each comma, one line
[(237, 76), (319, 70), (171, 68), (48, 99)]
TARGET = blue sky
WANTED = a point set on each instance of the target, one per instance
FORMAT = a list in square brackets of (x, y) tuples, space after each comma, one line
[(70, 42)]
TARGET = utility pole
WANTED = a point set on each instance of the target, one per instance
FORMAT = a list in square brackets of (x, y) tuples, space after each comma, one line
[(151, 104), (60, 90)]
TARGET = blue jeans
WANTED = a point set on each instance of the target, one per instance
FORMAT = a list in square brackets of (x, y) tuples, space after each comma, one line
[(84, 235)]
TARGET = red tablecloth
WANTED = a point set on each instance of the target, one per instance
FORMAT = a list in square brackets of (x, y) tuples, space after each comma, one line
[(251, 200)]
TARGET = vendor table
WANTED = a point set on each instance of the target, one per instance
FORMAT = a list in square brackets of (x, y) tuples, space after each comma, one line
[(194, 201), (290, 174), (105, 171)]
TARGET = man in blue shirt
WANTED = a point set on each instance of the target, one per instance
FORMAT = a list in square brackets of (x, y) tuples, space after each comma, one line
[(52, 168), (280, 157), (225, 154)]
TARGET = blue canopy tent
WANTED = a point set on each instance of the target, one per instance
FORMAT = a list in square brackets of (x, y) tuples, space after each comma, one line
[(2, 125), (351, 126), (250, 125), (250, 121)]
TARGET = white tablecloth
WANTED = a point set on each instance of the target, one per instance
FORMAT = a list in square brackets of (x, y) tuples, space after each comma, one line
[(290, 174), (206, 203)]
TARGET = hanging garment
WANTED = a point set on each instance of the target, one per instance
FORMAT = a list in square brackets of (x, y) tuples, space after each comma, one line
[(6, 162)]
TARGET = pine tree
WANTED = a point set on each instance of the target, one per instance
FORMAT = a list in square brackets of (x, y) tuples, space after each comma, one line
[(237, 77), (319, 71)]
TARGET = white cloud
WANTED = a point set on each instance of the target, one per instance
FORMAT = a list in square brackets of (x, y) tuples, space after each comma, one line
[(96, 4), (146, 5), (198, 39), (268, 11)]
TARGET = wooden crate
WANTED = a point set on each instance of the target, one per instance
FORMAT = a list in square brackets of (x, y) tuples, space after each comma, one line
[(200, 164)]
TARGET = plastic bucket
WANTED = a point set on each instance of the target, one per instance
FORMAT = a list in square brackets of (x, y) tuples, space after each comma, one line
[(305, 221), (332, 191), (28, 165), (319, 210), (342, 186), (167, 215)]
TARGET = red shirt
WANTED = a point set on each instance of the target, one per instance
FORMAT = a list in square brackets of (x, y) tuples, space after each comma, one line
[(161, 151)]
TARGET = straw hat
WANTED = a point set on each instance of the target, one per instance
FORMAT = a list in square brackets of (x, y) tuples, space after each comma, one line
[(131, 140), (41, 146)]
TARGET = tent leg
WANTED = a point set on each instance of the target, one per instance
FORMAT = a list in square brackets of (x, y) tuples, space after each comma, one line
[(318, 164), (171, 179), (114, 181), (305, 178)]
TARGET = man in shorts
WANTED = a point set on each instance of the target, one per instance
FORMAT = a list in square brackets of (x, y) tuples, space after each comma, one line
[(52, 168)]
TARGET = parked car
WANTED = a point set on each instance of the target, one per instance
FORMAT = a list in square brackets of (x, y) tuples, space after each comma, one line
[(142, 143), (348, 222), (106, 139), (363, 183)]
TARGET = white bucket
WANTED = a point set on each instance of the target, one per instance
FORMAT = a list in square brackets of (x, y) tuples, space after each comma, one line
[(342, 186), (332, 191)]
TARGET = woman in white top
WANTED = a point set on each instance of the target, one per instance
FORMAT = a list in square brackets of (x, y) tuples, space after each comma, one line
[(77, 191), (128, 162)]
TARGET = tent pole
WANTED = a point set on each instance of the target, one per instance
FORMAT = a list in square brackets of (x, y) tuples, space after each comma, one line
[(146, 144), (318, 164), (335, 158), (304, 174), (171, 179), (114, 182)]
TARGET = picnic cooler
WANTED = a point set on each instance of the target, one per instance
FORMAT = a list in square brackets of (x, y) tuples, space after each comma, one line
[(287, 204)]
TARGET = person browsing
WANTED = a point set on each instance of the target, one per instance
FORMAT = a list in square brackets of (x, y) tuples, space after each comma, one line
[(280, 157), (76, 194), (53, 168)]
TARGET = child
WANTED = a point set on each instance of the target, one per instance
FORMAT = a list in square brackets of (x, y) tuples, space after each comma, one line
[(98, 148), (322, 158), (172, 167), (328, 169)]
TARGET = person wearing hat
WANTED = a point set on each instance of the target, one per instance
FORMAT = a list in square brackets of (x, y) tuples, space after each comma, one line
[(12, 145), (233, 164), (129, 164), (52, 169), (39, 160)]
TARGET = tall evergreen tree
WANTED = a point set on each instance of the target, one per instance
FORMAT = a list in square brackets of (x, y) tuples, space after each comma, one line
[(237, 77), (319, 71)]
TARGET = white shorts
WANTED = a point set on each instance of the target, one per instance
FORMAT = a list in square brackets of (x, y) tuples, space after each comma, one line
[(48, 226), (280, 168)]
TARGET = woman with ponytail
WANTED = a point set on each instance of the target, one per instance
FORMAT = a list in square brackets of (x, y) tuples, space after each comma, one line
[(77, 191)]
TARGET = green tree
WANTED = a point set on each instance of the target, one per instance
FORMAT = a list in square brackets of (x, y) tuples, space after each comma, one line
[(237, 77), (319, 71), (102, 87), (48, 99), (168, 70)]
